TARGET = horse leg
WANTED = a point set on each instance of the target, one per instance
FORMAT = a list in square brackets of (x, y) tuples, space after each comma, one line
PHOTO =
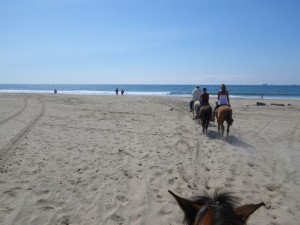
[(206, 124), (227, 131), (202, 120), (222, 130), (208, 117)]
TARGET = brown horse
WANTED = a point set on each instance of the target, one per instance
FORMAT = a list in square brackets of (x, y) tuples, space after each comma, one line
[(205, 116), (224, 113), (218, 209)]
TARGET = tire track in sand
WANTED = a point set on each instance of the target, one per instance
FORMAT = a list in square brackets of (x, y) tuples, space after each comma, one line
[(6, 151), (17, 113)]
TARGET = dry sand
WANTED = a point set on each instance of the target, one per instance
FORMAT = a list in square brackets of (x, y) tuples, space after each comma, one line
[(98, 160)]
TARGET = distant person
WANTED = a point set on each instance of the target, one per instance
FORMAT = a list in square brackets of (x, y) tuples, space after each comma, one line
[(223, 98), (55, 91), (196, 97), (122, 91), (117, 91)]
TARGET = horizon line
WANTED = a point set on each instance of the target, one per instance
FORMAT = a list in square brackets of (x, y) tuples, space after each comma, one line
[(264, 84)]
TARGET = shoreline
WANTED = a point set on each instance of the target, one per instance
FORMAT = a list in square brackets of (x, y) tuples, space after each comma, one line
[(235, 91), (71, 159), (151, 94)]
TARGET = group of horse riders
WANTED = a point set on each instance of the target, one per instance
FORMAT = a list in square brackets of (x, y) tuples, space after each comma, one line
[(202, 98)]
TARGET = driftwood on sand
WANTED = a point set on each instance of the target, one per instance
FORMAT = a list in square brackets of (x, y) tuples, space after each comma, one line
[(260, 103), (277, 104)]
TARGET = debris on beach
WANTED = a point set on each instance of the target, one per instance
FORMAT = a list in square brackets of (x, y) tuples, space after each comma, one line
[(260, 103), (277, 104)]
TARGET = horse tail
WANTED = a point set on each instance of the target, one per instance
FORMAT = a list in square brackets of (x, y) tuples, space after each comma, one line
[(209, 113), (229, 119), (205, 115)]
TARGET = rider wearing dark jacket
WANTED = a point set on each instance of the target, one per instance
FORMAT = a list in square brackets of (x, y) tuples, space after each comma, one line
[(204, 98)]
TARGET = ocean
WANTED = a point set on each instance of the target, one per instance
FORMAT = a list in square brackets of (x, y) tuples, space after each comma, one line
[(235, 91)]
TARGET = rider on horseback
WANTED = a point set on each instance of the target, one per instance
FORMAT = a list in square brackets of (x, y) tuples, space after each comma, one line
[(196, 95), (204, 98), (223, 99)]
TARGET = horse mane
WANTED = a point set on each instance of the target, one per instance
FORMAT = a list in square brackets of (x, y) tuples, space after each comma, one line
[(221, 197), (225, 201)]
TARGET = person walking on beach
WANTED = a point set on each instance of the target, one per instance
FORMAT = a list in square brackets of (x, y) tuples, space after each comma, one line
[(223, 98), (122, 92), (117, 91), (196, 97)]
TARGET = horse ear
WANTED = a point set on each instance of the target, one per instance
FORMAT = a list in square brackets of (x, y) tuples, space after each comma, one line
[(189, 207), (246, 210)]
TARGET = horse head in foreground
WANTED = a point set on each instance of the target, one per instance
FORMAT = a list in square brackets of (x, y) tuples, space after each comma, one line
[(224, 113), (218, 209)]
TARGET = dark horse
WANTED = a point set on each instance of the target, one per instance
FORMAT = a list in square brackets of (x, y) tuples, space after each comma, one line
[(205, 116), (224, 113), (218, 209)]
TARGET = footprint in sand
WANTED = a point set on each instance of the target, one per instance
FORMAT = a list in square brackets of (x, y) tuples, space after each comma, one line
[(12, 193), (230, 179), (42, 192), (172, 180), (121, 198), (182, 146), (165, 209), (228, 185), (46, 208), (117, 218)]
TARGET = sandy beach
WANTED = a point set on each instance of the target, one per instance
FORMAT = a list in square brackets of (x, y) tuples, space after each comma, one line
[(110, 160)]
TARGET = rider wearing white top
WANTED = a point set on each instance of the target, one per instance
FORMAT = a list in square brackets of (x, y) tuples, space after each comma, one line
[(196, 94), (223, 98), (196, 97)]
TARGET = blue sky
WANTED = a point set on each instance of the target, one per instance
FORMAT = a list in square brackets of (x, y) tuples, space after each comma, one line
[(150, 41)]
